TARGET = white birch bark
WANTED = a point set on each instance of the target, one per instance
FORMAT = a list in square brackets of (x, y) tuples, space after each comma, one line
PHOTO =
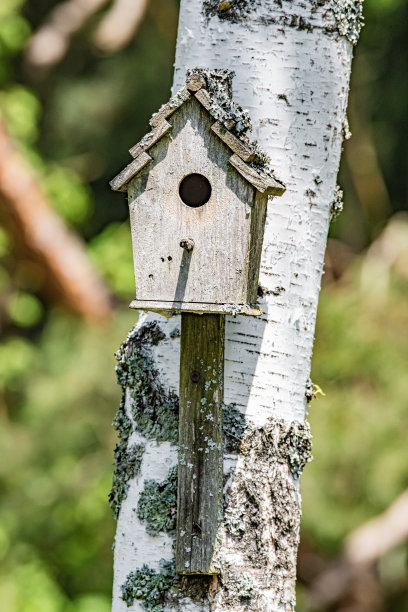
[(292, 65)]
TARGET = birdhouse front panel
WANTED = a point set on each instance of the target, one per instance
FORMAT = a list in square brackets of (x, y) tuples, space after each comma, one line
[(191, 214), (198, 193)]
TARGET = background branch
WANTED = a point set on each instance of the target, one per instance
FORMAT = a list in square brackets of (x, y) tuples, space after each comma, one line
[(48, 46), (119, 25), (363, 547), (38, 230)]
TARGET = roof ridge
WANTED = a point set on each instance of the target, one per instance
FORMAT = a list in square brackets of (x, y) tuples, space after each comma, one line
[(248, 158)]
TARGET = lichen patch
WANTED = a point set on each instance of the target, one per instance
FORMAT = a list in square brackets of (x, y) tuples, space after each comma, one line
[(223, 108), (154, 409), (336, 206), (342, 16), (127, 466), (234, 427), (157, 504), (149, 586), (349, 18)]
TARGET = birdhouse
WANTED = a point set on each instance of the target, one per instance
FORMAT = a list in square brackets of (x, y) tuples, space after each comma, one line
[(197, 192)]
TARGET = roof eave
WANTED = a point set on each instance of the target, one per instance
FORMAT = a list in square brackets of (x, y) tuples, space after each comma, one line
[(243, 153)]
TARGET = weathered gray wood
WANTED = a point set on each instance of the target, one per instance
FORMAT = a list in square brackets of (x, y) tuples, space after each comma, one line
[(195, 81), (216, 270), (199, 504), (234, 143), (258, 219), (248, 173), (263, 183), (273, 187), (150, 138), (168, 109), (204, 98), (200, 308), (119, 183)]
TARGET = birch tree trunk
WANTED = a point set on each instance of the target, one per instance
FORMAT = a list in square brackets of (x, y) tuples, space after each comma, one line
[(292, 64)]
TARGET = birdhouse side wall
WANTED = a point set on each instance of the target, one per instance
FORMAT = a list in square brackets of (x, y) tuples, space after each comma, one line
[(258, 219), (216, 270)]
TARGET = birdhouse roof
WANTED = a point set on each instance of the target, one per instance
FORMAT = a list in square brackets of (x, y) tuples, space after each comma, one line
[(212, 90)]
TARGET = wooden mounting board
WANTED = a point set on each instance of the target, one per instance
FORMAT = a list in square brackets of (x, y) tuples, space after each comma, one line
[(201, 446)]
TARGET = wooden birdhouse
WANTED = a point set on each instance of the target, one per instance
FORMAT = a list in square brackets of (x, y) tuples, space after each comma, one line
[(197, 194)]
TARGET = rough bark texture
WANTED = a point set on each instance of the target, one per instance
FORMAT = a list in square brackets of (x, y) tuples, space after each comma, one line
[(292, 65)]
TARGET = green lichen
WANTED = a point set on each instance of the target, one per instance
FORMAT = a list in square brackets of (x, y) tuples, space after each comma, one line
[(347, 14), (148, 335), (245, 586), (175, 333), (157, 504), (336, 207), (122, 423), (154, 409), (309, 390), (127, 463), (181, 96), (223, 108), (149, 586), (349, 18), (234, 427), (127, 466), (295, 447), (234, 521), (262, 158)]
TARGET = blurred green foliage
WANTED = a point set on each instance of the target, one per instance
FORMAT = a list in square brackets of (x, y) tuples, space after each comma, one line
[(359, 428), (57, 385), (56, 529)]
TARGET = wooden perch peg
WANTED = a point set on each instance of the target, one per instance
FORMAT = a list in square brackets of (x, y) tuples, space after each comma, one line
[(187, 244)]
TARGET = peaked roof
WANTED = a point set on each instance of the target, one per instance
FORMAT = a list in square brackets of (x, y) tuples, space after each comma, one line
[(247, 158)]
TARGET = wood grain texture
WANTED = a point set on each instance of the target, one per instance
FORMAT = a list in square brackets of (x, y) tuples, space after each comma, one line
[(194, 82), (119, 183), (258, 219), (204, 98), (198, 308), (263, 183), (216, 270), (200, 470), (248, 173), (168, 109), (150, 138), (234, 143)]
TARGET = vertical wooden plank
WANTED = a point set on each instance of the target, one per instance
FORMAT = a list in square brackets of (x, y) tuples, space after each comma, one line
[(201, 442)]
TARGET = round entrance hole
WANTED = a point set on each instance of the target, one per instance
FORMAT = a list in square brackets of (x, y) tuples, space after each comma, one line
[(195, 190)]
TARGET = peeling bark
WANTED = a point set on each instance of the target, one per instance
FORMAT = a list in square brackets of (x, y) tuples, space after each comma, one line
[(292, 65)]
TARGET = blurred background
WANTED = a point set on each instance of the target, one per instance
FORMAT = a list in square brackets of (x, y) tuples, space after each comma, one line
[(79, 80)]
